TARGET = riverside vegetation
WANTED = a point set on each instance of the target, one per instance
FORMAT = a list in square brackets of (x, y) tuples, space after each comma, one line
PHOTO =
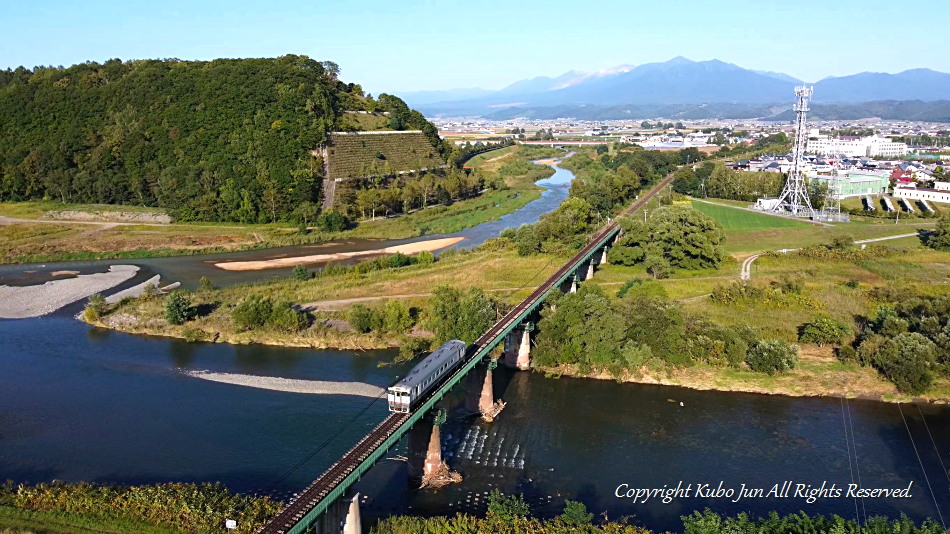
[(195, 508), (787, 331)]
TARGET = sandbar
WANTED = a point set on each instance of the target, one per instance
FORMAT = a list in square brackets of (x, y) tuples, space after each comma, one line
[(408, 248)]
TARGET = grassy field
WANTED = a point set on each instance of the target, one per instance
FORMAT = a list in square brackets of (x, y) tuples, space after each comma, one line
[(504, 274), (19, 521), (749, 233), (59, 241)]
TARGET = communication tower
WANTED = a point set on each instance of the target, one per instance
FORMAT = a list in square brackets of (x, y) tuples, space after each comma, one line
[(794, 198)]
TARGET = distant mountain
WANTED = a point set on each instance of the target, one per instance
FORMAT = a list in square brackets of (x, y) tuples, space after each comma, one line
[(779, 76), (916, 110), (682, 82), (417, 98), (916, 84)]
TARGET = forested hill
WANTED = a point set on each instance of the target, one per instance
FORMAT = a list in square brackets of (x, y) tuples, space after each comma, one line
[(228, 139)]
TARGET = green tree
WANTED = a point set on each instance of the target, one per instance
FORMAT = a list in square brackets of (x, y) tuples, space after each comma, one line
[(575, 514), (364, 319), (824, 329), (425, 258), (908, 361), (458, 314), (396, 317), (506, 508), (940, 238), (682, 236), (178, 310), (772, 356)]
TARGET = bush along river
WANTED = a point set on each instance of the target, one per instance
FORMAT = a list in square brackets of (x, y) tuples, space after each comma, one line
[(84, 404)]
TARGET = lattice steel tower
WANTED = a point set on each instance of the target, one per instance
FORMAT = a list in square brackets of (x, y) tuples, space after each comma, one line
[(794, 197)]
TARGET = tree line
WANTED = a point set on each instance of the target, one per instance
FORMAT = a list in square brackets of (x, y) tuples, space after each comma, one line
[(604, 183), (221, 140)]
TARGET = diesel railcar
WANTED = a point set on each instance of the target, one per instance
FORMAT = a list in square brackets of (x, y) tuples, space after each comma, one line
[(403, 395)]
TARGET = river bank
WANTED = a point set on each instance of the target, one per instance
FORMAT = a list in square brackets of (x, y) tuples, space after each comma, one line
[(45, 232), (819, 374)]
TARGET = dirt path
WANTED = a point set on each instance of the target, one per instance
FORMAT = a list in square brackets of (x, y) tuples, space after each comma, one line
[(746, 273)]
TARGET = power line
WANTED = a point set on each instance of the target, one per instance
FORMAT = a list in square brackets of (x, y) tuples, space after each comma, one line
[(847, 443), (857, 467), (939, 458), (325, 443), (926, 478)]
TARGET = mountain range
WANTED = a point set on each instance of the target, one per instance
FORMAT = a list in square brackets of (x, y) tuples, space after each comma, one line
[(722, 87)]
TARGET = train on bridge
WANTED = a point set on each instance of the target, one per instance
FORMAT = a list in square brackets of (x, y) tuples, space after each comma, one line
[(404, 394)]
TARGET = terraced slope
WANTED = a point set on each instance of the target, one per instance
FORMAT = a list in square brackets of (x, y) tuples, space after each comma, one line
[(360, 154)]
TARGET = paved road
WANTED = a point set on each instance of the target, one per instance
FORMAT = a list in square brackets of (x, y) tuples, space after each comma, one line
[(746, 272)]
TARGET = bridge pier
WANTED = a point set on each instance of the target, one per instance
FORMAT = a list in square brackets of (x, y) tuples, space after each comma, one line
[(435, 472), (353, 524), (573, 288), (486, 403), (524, 350), (603, 257), (590, 270)]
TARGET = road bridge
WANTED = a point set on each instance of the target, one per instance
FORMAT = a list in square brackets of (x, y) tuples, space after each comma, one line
[(317, 508)]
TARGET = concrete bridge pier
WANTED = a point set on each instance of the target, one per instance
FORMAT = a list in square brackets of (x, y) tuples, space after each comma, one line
[(603, 257), (524, 350), (590, 270), (435, 472), (487, 405), (573, 288), (352, 523)]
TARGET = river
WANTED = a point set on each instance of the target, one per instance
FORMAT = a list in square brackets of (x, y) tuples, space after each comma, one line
[(189, 269), (78, 403)]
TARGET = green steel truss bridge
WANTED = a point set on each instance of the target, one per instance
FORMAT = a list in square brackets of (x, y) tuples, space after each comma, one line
[(304, 514)]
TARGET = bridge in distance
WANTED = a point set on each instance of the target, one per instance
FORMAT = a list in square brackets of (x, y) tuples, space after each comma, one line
[(309, 511)]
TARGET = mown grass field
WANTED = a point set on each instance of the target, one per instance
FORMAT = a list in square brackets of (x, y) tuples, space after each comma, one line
[(749, 232)]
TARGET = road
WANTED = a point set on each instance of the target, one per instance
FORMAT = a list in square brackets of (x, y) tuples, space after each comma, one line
[(746, 272)]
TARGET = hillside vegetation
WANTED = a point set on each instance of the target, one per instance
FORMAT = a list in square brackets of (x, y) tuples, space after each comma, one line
[(222, 140)]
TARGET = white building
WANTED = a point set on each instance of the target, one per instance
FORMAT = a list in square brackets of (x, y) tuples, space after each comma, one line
[(854, 147), (939, 193)]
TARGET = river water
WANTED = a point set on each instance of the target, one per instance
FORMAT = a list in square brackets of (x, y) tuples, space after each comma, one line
[(189, 269), (78, 403)]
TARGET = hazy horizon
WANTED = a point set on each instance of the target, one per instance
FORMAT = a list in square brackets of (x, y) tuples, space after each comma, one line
[(424, 45)]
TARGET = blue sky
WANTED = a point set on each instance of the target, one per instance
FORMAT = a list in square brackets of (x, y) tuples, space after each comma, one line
[(392, 46)]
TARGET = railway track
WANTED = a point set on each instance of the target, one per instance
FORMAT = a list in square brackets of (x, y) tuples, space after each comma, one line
[(325, 483)]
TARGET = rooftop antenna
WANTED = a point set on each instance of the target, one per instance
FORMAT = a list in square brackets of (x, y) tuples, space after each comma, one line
[(794, 197)]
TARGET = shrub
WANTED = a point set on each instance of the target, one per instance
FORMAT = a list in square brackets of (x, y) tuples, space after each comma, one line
[(425, 258), (149, 292), (842, 242), (506, 509), (852, 283), (252, 312), (204, 284), (285, 318), (332, 221), (410, 347), (178, 310), (364, 319), (396, 317), (94, 308), (772, 356), (300, 273), (907, 360), (824, 329), (846, 353)]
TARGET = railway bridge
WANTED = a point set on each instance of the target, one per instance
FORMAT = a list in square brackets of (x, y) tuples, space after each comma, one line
[(319, 508)]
